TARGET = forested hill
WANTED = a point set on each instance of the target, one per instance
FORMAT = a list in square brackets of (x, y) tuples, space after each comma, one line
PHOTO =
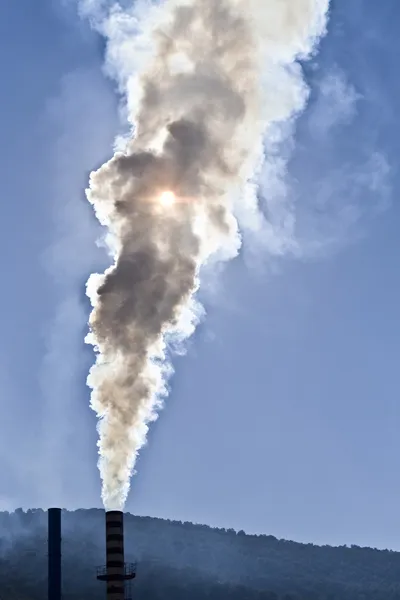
[(182, 561)]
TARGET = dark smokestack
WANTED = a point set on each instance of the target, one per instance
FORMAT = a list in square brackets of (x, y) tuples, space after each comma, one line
[(54, 554), (116, 573)]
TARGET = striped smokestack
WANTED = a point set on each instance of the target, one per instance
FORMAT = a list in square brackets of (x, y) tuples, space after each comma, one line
[(54, 553), (115, 562), (116, 573)]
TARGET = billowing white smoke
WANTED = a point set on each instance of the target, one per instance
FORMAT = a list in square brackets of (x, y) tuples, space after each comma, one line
[(204, 79)]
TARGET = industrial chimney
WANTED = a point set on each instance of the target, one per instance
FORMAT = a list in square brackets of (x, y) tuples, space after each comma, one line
[(54, 553), (116, 573)]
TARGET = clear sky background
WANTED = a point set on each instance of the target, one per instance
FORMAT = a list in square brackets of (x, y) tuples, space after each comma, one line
[(283, 417)]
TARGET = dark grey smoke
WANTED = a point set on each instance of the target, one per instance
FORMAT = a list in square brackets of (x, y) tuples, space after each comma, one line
[(166, 200)]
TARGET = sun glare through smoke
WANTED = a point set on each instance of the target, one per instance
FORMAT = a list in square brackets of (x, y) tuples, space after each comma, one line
[(167, 198)]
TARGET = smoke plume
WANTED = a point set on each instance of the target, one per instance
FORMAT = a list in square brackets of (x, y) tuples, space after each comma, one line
[(219, 73)]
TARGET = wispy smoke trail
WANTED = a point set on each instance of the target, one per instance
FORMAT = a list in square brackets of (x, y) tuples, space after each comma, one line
[(220, 72)]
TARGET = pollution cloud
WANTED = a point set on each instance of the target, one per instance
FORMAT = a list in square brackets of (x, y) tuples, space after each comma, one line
[(204, 80)]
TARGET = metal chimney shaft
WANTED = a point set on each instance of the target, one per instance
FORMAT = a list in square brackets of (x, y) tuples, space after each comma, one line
[(115, 555), (54, 554), (116, 573)]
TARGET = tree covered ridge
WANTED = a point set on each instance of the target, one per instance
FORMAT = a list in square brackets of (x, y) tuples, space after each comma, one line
[(182, 560)]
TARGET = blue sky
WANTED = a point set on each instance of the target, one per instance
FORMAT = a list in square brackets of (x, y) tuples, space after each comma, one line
[(283, 416)]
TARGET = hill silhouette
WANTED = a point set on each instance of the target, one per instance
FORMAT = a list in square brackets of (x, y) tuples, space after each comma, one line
[(182, 561)]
